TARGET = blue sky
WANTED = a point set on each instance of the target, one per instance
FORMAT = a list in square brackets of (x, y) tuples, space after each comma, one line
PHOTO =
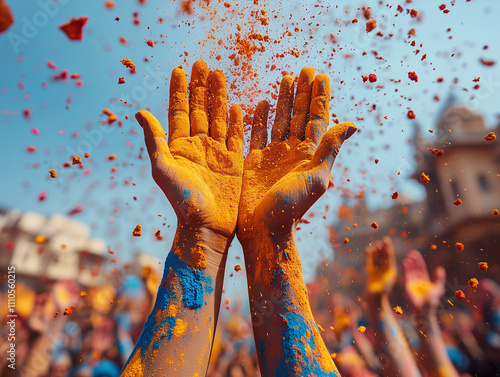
[(108, 201)]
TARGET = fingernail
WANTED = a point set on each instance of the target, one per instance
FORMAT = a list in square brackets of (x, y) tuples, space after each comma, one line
[(350, 131)]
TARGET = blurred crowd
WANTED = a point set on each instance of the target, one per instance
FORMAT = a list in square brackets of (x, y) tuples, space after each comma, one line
[(69, 331)]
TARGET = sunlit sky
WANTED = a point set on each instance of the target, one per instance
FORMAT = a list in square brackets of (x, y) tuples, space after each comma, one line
[(68, 117)]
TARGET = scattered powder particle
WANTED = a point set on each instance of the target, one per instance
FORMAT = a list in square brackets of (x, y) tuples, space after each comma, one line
[(40, 239), (459, 246), (76, 160), (490, 137), (495, 212), (483, 266), (413, 13), (74, 28), (52, 173), (374, 225), (237, 268), (111, 157), (150, 43), (473, 283), (128, 63), (158, 235), (121, 80), (198, 257), (83, 294), (111, 116), (436, 152), (411, 114), (67, 311), (6, 18), (424, 178), (413, 76), (457, 202), (346, 240), (362, 329), (110, 4), (137, 232), (86, 155), (460, 294), (398, 310), (377, 160), (487, 63), (370, 25), (56, 314), (395, 195), (354, 20), (372, 77)]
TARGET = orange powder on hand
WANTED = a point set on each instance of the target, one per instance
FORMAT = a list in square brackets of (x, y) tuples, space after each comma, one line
[(420, 287)]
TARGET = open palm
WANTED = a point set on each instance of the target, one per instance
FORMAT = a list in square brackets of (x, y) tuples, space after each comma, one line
[(422, 293), (200, 168), (283, 179)]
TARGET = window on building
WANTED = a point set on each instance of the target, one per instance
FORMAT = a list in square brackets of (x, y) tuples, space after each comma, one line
[(483, 182)]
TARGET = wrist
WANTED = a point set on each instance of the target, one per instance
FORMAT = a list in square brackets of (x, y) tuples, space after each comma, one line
[(425, 320), (201, 247)]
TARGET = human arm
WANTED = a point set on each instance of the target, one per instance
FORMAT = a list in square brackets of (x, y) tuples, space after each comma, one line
[(200, 171), (390, 343), (424, 296), (281, 181)]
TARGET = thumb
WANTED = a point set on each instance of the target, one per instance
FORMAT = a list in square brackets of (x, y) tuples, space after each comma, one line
[(439, 278), (330, 144), (154, 136)]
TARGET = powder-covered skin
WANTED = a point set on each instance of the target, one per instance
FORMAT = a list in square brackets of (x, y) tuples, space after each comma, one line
[(281, 181), (200, 171), (390, 341), (424, 296)]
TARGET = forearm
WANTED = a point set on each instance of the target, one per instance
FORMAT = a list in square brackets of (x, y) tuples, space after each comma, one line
[(433, 356), (39, 358), (387, 332), (365, 348), (178, 335), (287, 338)]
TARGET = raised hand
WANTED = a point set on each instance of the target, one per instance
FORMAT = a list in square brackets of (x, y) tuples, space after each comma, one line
[(200, 168), (281, 181), (200, 171), (422, 293), (381, 267), (284, 178)]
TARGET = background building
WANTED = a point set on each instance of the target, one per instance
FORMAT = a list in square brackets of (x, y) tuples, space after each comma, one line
[(469, 170), (45, 250)]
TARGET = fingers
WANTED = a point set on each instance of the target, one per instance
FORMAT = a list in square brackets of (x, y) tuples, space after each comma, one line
[(198, 99), (235, 131), (415, 267), (439, 276), (389, 250), (178, 107), (330, 144), (302, 102), (281, 128), (319, 109), (218, 106), (154, 136), (258, 139)]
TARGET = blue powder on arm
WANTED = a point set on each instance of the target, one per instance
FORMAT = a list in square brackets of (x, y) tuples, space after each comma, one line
[(194, 283)]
